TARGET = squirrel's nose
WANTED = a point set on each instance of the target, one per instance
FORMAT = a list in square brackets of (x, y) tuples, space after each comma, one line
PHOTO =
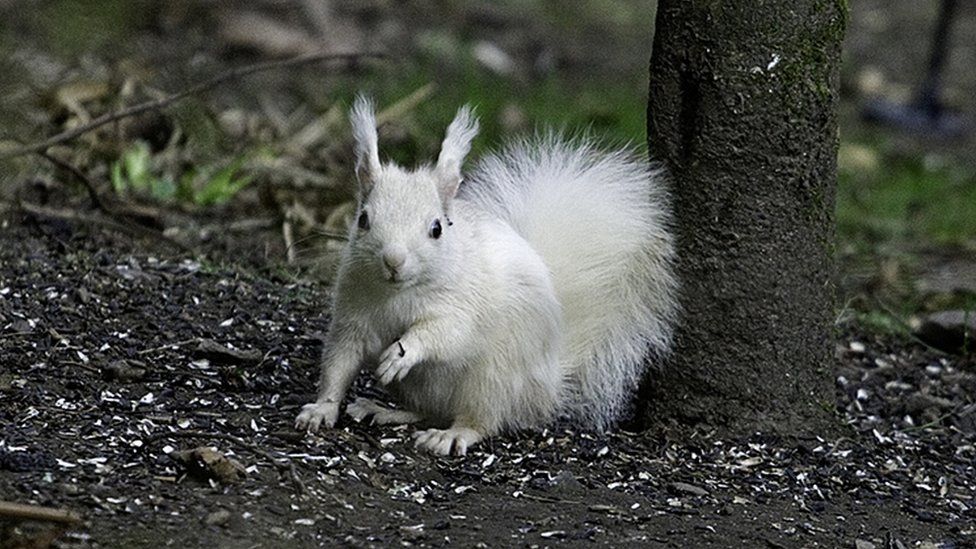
[(394, 257)]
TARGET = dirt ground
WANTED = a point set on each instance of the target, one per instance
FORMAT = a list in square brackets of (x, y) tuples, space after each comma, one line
[(104, 376)]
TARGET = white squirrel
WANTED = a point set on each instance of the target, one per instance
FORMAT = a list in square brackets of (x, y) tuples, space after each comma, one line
[(542, 286)]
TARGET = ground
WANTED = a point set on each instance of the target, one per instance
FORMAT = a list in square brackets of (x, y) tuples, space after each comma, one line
[(188, 313), (101, 343)]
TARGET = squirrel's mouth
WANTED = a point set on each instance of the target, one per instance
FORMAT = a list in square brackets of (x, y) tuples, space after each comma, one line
[(396, 278), (399, 282)]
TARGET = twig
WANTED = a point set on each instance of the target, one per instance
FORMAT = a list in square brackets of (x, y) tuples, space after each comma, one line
[(173, 345), (935, 422), (245, 225), (283, 463), (21, 511), (837, 444), (96, 200), (208, 84), (288, 234), (406, 104), (69, 215)]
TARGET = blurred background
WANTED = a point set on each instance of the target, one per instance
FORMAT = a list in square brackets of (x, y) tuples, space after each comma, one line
[(258, 169)]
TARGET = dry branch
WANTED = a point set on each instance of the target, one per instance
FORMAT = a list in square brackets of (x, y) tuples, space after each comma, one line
[(208, 84), (93, 195), (405, 105), (20, 511)]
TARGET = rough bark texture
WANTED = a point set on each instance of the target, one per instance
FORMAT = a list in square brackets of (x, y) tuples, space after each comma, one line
[(742, 111)]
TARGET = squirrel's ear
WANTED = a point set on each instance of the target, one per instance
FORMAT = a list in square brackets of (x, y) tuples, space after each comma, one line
[(363, 121), (457, 144)]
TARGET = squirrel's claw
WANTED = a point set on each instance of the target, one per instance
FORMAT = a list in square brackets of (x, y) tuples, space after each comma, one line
[(445, 442), (317, 414), (395, 363)]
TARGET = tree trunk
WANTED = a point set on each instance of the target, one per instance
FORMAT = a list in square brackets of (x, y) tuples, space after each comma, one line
[(742, 112)]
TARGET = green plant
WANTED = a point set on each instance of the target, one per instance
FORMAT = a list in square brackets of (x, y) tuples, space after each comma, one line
[(201, 186), (133, 172), (883, 197), (215, 186)]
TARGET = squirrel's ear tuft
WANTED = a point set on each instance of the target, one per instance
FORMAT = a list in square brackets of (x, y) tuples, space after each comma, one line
[(457, 144), (363, 121)]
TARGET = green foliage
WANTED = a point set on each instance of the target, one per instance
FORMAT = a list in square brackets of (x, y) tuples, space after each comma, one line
[(882, 322), (133, 172), (201, 186), (886, 198), (218, 186)]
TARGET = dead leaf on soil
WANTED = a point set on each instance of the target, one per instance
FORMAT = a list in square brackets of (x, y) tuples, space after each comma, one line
[(206, 463)]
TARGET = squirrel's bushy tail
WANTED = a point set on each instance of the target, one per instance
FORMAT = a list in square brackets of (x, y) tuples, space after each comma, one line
[(601, 221)]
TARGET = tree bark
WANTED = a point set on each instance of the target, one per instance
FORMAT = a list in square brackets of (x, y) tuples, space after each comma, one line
[(742, 111)]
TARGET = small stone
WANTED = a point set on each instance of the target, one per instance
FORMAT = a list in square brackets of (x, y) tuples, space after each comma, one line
[(234, 122), (21, 326), (218, 518), (685, 488), (121, 370), (492, 57), (858, 158), (513, 118), (949, 331), (413, 533), (871, 81), (863, 544), (957, 276), (84, 296)]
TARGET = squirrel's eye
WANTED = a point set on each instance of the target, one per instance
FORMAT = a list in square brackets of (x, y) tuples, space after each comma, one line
[(435, 229), (364, 221)]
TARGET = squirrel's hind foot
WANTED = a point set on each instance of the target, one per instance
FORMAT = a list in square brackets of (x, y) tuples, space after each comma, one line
[(445, 442), (363, 408)]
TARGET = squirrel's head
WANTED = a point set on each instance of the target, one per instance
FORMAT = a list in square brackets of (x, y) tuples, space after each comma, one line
[(403, 231)]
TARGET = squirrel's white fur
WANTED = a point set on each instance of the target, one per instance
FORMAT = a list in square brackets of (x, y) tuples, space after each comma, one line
[(542, 286)]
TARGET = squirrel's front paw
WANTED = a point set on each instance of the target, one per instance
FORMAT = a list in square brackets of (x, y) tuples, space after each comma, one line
[(317, 414), (395, 363)]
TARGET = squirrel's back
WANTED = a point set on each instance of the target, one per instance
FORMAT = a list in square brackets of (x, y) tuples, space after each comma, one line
[(601, 222)]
